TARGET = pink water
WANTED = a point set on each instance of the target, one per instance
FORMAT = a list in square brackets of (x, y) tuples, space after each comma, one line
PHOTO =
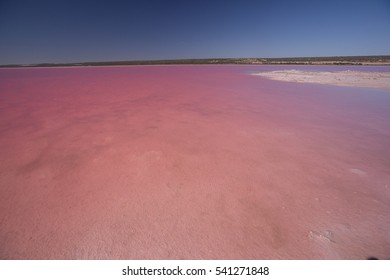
[(191, 162)]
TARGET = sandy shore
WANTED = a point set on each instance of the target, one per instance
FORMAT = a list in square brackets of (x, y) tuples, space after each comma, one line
[(341, 78)]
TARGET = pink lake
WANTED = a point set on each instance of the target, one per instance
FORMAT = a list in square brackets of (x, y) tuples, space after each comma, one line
[(191, 162)]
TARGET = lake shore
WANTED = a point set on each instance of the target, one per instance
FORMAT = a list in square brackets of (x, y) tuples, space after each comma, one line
[(379, 80)]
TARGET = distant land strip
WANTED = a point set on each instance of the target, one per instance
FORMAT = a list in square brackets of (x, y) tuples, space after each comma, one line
[(331, 60)]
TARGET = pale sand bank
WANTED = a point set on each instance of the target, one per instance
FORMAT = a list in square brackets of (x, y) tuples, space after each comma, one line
[(340, 78)]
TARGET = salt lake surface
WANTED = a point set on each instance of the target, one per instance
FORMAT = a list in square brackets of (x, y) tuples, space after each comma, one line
[(191, 162)]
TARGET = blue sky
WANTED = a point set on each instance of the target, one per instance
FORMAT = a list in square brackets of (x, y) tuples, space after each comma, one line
[(76, 31)]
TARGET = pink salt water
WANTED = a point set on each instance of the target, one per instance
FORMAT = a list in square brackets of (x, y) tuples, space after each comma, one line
[(191, 162)]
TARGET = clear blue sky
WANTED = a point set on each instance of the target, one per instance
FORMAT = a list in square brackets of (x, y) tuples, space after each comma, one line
[(36, 31)]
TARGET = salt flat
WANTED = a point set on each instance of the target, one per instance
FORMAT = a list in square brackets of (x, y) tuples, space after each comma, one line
[(339, 78)]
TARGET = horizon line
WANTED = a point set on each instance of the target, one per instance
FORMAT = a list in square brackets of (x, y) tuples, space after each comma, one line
[(351, 59)]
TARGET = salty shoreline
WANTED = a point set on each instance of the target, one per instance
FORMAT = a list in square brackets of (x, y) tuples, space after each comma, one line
[(340, 78)]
